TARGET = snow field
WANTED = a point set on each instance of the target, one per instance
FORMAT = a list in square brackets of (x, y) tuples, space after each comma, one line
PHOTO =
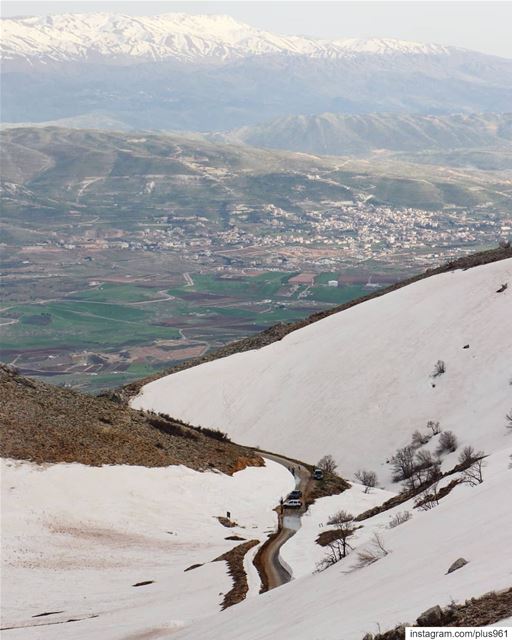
[(359, 383), (76, 538), (343, 602)]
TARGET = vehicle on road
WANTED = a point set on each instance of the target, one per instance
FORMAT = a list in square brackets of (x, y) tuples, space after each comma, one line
[(318, 474), (293, 504), (295, 494)]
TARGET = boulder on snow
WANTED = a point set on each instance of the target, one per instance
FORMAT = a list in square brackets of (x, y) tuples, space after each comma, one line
[(432, 617), (460, 562)]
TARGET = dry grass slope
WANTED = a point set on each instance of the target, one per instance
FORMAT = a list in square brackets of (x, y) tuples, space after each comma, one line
[(47, 424)]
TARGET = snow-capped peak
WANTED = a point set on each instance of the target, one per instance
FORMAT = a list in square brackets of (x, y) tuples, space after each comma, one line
[(117, 37)]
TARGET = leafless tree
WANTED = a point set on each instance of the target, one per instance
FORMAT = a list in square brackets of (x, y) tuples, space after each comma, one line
[(334, 553), (473, 463), (403, 463), (508, 419), (327, 464), (344, 523), (367, 478), (339, 546)]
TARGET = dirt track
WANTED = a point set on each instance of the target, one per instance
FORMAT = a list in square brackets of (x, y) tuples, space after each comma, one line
[(272, 572)]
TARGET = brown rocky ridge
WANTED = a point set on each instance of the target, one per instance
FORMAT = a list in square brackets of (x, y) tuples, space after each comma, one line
[(47, 424)]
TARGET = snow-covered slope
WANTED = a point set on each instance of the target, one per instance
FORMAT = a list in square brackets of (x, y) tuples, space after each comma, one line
[(359, 383), (346, 602), (174, 35), (75, 539)]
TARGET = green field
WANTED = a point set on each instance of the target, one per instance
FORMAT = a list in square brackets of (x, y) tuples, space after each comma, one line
[(261, 286), (336, 295), (117, 293), (81, 324)]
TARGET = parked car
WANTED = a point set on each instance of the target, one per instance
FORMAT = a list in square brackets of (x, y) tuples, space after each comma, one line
[(293, 504), (318, 474), (296, 493)]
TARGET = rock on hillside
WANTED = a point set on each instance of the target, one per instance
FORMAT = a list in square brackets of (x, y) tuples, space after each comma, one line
[(42, 423)]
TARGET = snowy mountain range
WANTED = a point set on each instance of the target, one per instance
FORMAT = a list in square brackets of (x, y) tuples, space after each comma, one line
[(181, 71), (181, 36)]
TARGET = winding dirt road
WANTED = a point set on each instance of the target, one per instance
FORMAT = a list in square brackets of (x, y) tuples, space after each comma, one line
[(289, 521)]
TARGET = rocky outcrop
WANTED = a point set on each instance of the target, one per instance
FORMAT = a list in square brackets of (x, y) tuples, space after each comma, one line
[(458, 564)]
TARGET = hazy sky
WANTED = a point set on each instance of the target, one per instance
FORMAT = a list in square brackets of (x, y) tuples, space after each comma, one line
[(484, 26)]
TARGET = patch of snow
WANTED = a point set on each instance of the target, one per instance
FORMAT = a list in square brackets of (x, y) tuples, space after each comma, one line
[(76, 538), (182, 36)]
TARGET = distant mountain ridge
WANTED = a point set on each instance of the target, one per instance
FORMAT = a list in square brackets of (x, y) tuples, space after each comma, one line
[(117, 37), (342, 134), (208, 73)]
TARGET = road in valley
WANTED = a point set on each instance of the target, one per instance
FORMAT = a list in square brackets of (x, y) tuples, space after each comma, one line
[(289, 522)]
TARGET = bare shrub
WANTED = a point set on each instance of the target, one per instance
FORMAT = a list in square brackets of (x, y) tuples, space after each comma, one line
[(434, 426), (340, 518), (216, 434), (447, 443), (165, 425), (508, 418), (399, 518), (328, 464), (375, 551), (367, 478), (439, 368)]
